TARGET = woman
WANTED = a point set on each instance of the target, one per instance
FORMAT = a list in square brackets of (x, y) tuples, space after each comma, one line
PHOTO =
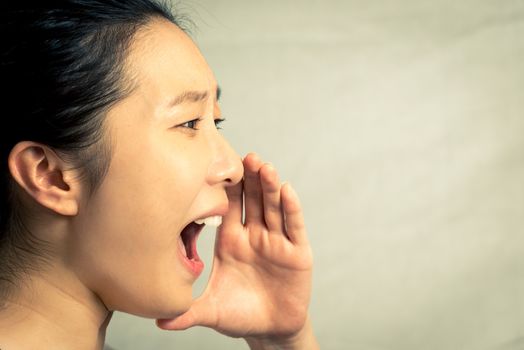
[(112, 164)]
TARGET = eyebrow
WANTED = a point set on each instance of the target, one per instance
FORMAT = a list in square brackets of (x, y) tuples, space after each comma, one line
[(193, 96)]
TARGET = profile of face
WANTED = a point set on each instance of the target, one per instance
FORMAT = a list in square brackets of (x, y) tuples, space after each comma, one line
[(166, 171)]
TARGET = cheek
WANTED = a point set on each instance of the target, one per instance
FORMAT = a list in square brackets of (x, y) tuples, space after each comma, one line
[(128, 235), (159, 174), (147, 194), (127, 245), (183, 165)]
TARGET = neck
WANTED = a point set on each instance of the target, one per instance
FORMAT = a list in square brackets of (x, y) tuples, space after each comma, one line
[(59, 312)]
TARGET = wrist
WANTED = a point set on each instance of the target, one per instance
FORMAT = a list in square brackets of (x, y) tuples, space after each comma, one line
[(304, 339)]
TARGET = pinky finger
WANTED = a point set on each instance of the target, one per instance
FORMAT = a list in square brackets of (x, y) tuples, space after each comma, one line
[(295, 227)]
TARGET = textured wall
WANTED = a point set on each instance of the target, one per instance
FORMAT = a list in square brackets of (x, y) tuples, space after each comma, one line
[(401, 125)]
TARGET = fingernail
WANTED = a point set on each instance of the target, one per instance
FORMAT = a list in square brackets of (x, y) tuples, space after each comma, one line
[(254, 154), (291, 190)]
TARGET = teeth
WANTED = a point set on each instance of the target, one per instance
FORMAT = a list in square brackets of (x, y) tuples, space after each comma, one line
[(213, 221)]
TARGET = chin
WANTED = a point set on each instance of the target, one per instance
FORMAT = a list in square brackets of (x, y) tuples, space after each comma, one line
[(168, 314), (173, 305), (158, 311), (153, 306)]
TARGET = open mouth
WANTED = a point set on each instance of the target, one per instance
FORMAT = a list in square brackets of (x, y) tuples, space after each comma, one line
[(188, 242), (189, 238)]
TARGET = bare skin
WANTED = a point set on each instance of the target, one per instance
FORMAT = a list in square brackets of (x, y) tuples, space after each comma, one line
[(121, 249), (260, 285)]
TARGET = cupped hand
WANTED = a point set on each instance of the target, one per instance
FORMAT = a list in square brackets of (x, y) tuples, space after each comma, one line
[(260, 283)]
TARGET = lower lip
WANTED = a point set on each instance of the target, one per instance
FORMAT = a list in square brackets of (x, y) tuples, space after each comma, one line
[(195, 265)]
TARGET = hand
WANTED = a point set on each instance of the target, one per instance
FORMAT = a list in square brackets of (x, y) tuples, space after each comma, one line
[(260, 283)]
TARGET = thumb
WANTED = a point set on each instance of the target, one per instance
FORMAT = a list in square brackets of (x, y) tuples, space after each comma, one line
[(199, 314)]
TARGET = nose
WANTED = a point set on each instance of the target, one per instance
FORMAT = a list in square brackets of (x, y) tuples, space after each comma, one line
[(226, 167)]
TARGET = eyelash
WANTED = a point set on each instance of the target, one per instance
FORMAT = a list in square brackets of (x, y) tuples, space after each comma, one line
[(218, 122), (198, 120)]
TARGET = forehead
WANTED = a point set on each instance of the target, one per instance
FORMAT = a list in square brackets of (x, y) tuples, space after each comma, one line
[(164, 61)]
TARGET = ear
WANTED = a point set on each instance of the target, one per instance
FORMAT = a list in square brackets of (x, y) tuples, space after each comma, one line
[(44, 176)]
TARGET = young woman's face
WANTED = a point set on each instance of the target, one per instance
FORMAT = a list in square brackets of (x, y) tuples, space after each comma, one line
[(166, 171)]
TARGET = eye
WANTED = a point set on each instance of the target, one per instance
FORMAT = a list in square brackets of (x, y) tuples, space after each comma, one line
[(191, 124), (218, 122)]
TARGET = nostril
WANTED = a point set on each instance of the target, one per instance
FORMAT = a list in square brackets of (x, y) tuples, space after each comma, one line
[(226, 168)]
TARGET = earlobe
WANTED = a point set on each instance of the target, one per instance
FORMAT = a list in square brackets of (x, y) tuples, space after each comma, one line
[(44, 176)]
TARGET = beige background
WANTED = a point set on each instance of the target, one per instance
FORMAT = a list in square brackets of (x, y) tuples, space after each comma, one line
[(401, 125)]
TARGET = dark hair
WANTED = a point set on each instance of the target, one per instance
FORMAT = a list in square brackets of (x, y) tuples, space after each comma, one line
[(62, 67)]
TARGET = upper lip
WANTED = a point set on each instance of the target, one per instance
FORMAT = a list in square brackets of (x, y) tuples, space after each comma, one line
[(219, 210)]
